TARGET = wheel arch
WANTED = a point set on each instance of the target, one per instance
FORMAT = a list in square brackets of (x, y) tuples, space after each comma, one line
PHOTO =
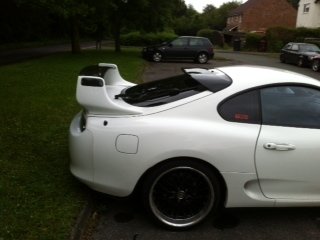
[(222, 182)]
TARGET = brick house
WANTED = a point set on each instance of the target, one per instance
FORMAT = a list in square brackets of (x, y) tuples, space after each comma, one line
[(309, 14), (259, 15)]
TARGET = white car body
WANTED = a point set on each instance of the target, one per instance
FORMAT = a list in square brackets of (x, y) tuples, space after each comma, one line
[(121, 142)]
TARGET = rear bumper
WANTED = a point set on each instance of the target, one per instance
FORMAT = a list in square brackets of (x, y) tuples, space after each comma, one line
[(81, 151)]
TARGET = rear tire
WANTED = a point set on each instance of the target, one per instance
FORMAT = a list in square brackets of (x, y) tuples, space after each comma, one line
[(181, 193), (202, 58), (316, 65)]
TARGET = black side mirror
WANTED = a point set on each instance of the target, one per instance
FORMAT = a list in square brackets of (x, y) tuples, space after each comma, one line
[(170, 45)]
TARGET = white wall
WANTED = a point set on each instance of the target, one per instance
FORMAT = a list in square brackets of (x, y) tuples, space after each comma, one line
[(310, 19)]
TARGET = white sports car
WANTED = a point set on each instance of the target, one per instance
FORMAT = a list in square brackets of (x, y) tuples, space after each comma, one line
[(239, 136)]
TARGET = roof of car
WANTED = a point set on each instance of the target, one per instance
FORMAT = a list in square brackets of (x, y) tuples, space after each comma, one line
[(300, 43), (245, 76), (192, 37)]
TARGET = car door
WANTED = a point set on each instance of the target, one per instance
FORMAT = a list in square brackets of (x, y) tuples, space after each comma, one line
[(177, 48), (288, 148), (195, 46), (294, 54)]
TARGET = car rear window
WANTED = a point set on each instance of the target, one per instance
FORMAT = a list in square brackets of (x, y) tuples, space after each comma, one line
[(171, 89)]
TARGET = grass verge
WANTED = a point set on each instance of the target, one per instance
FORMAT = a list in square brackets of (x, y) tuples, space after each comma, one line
[(39, 199)]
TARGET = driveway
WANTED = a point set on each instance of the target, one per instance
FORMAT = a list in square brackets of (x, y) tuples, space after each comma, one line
[(222, 58), (125, 219)]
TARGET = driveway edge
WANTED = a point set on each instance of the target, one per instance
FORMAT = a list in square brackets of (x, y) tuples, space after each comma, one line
[(79, 229)]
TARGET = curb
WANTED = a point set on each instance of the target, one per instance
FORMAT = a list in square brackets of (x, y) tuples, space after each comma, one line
[(79, 228)]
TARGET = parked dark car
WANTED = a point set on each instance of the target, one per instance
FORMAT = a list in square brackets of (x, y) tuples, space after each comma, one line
[(199, 49), (316, 63), (299, 53)]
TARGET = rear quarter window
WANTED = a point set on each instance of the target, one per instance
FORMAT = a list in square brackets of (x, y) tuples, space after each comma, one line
[(242, 108)]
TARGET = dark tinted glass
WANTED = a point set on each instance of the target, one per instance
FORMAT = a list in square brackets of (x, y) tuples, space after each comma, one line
[(292, 106), (242, 108), (162, 91)]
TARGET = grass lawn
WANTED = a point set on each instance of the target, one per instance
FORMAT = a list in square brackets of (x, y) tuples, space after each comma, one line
[(39, 199)]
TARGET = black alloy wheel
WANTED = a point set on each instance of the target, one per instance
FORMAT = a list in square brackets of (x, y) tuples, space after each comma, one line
[(180, 194), (316, 65)]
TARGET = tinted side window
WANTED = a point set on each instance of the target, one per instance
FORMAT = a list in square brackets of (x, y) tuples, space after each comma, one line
[(196, 42), (244, 108), (295, 47), (180, 42), (288, 46), (292, 106)]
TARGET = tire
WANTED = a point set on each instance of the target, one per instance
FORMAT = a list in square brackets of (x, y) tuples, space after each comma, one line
[(157, 56), (316, 65), (300, 62), (202, 58), (181, 193), (282, 59)]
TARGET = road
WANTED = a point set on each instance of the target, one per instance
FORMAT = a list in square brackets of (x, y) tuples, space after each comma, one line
[(126, 219)]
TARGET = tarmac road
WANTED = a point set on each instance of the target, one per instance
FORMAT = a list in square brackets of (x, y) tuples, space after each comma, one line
[(126, 220)]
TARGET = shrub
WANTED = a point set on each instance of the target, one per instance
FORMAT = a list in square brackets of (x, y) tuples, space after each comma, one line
[(215, 37), (253, 41), (277, 37)]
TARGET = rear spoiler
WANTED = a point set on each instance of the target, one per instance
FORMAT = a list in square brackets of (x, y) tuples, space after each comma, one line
[(96, 89)]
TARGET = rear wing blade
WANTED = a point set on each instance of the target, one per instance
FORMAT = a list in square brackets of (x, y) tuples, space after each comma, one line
[(96, 89)]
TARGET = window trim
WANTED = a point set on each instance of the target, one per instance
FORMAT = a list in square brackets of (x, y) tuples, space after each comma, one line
[(259, 88), (306, 8)]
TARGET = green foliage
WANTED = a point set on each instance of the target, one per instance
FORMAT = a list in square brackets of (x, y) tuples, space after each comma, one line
[(215, 37), (277, 37), (294, 3), (253, 41), (216, 18), (39, 197), (140, 39)]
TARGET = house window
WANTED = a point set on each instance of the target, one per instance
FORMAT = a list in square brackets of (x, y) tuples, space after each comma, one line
[(306, 8)]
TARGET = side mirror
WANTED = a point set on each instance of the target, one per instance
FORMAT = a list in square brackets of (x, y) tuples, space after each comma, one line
[(170, 45)]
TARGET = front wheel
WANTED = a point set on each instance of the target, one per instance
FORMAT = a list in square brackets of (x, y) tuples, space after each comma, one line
[(202, 58), (316, 65), (157, 57), (181, 193)]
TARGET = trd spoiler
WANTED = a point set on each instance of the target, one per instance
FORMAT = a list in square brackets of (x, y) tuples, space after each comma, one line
[(96, 89)]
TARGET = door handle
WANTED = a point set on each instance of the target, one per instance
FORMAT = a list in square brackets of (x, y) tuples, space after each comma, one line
[(279, 147)]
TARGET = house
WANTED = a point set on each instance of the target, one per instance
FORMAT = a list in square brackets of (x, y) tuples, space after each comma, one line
[(309, 14), (259, 15)]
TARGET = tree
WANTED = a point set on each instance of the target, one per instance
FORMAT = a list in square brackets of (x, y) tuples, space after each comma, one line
[(71, 10), (216, 18), (294, 3)]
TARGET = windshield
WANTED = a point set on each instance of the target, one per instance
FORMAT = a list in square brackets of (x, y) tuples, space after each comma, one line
[(309, 48), (162, 91)]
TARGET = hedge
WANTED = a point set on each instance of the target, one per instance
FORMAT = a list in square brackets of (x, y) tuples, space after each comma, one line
[(215, 37), (142, 39), (279, 36)]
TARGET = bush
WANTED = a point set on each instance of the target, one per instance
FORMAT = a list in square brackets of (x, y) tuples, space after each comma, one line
[(215, 37), (253, 41), (139, 39), (277, 37)]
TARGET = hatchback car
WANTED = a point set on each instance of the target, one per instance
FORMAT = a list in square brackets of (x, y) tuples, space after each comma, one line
[(316, 63), (299, 53), (198, 49), (240, 136)]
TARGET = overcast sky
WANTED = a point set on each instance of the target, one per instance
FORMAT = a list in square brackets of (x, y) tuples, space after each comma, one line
[(200, 4)]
